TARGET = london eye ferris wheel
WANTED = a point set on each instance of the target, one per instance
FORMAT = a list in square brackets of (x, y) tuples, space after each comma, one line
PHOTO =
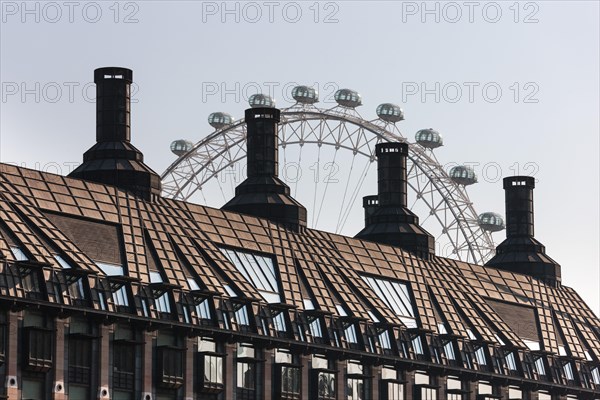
[(327, 157)]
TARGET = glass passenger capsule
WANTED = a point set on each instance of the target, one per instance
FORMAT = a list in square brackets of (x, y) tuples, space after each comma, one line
[(491, 222), (181, 146), (305, 95), (348, 98), (261, 100), (463, 175), (390, 112), (429, 138), (220, 120)]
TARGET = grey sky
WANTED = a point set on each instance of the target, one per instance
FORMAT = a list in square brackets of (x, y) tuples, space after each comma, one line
[(185, 54)]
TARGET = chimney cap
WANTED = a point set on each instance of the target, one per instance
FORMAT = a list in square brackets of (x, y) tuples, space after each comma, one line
[(391, 147), (519, 181), (262, 113), (109, 73)]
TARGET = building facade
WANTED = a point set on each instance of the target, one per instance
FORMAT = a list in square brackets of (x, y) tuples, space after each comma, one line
[(109, 291)]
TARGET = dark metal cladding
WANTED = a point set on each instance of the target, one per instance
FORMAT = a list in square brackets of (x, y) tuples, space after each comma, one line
[(113, 104), (370, 204), (113, 160), (519, 206), (262, 141), (391, 174), (387, 218), (263, 194), (521, 252)]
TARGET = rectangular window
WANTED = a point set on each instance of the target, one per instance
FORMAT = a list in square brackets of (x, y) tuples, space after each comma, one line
[(510, 361), (392, 391), (246, 380), (356, 389), (325, 386), (539, 366), (449, 351), (212, 379), (38, 352), (203, 310), (120, 297), (170, 366), (33, 389), (384, 340), (163, 304), (279, 322), (76, 291), (596, 376), (80, 360), (241, 316), (350, 334), (315, 328), (425, 393), (124, 365), (568, 371), (480, 356), (289, 382), (418, 345)]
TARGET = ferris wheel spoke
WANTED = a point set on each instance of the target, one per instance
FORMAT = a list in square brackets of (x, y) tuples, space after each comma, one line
[(316, 180), (326, 187), (355, 193), (337, 227)]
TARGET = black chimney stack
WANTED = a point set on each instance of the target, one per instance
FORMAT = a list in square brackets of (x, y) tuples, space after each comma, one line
[(387, 218), (521, 252), (263, 194), (113, 160)]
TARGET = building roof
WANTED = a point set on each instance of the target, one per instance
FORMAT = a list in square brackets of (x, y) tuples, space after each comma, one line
[(89, 226)]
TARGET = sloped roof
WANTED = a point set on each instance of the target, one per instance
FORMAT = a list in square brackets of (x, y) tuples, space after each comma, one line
[(89, 223)]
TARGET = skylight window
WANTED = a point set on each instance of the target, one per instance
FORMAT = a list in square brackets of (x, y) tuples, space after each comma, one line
[(308, 304), (61, 262), (396, 296), (193, 284), (155, 277), (471, 335), (532, 345), (500, 340), (111, 269), (373, 317), (442, 328), (562, 350), (258, 271), (230, 292), (18, 254), (341, 311)]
